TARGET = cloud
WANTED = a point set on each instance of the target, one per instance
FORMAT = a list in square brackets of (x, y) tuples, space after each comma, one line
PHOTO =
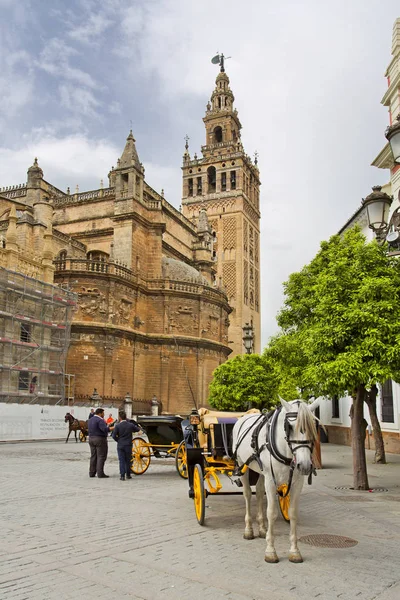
[(66, 161), (89, 31), (55, 60), (78, 100)]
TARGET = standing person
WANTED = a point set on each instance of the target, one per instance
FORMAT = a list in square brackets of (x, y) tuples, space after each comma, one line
[(91, 414), (122, 434), (98, 431), (110, 419)]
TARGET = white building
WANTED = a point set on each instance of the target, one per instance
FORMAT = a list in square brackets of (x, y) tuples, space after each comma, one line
[(335, 413)]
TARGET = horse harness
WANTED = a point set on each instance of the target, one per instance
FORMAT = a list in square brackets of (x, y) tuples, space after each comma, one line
[(270, 420)]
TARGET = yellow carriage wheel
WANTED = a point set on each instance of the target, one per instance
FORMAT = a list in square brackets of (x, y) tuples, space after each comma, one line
[(283, 501), (82, 436), (199, 495), (180, 460), (140, 456)]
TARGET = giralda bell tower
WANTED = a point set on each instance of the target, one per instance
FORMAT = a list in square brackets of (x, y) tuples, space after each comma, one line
[(225, 182)]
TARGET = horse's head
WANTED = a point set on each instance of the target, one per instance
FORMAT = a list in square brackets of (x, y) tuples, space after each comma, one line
[(300, 432), (67, 417)]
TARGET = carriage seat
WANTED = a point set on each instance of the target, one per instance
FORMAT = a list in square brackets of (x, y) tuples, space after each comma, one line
[(215, 430)]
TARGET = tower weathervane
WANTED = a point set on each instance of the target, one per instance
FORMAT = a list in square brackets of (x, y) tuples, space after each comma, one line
[(219, 59), (186, 138)]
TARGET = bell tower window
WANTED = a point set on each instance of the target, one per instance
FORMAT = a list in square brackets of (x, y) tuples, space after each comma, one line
[(211, 179), (199, 186), (233, 180), (223, 182), (218, 135), (190, 187)]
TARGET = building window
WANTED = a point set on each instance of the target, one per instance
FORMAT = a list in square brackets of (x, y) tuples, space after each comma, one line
[(60, 260), (98, 261), (223, 182), (335, 407), (199, 186), (190, 187), (217, 135), (23, 381), (233, 180), (387, 402), (25, 334), (211, 178)]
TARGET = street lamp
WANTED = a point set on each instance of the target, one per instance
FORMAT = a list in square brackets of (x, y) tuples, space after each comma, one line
[(128, 405), (378, 205), (248, 338), (392, 134)]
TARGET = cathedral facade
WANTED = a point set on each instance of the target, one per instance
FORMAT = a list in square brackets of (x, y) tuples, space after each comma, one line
[(162, 294)]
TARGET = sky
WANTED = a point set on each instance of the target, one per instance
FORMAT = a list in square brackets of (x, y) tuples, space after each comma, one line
[(307, 75)]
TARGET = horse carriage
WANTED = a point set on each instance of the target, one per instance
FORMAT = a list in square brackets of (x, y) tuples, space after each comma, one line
[(164, 439), (272, 451)]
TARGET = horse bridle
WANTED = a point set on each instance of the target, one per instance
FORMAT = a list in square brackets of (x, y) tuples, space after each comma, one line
[(309, 444)]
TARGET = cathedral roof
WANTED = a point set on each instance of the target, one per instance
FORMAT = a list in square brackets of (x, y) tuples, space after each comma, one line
[(129, 156), (176, 269)]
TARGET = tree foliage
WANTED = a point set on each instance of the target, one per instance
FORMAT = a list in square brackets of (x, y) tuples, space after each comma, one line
[(289, 361), (344, 311), (242, 382)]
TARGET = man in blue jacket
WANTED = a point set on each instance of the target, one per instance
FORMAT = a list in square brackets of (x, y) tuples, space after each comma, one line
[(122, 434), (98, 443)]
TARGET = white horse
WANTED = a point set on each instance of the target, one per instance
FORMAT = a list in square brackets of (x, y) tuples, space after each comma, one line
[(279, 448)]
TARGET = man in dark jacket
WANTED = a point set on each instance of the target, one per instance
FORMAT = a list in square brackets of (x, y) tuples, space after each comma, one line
[(122, 434), (98, 443)]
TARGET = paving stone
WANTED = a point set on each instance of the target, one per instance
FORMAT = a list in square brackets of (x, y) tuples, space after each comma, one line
[(65, 535)]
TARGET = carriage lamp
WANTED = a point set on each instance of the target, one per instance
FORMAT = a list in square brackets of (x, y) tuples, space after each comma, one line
[(194, 417), (392, 135), (377, 205), (248, 338), (128, 405)]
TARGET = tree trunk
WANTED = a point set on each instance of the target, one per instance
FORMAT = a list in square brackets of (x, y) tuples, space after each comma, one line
[(370, 399), (358, 428)]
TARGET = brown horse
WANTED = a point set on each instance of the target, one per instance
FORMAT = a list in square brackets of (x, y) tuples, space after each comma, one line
[(75, 425)]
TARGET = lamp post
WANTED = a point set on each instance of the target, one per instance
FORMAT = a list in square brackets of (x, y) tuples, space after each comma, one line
[(128, 405), (392, 135), (248, 338)]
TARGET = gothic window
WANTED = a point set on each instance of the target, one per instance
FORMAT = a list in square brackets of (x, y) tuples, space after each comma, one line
[(234, 135), (387, 402), (218, 135), (211, 178), (97, 261), (137, 185), (199, 186), (60, 260), (190, 187), (223, 182), (233, 180), (219, 101)]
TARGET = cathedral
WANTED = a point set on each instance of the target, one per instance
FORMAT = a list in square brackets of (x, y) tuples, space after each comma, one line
[(162, 294)]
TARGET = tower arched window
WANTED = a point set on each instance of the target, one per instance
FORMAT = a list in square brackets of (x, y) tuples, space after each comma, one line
[(218, 135), (211, 179)]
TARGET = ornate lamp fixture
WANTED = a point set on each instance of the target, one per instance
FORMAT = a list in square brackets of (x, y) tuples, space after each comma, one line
[(248, 338), (392, 134), (377, 205)]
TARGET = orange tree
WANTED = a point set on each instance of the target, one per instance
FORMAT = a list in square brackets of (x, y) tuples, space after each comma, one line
[(343, 311)]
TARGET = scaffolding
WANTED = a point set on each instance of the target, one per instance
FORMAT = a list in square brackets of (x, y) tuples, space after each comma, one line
[(35, 328)]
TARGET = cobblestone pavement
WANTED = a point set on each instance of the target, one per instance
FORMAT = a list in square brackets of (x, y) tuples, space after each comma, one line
[(64, 535)]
